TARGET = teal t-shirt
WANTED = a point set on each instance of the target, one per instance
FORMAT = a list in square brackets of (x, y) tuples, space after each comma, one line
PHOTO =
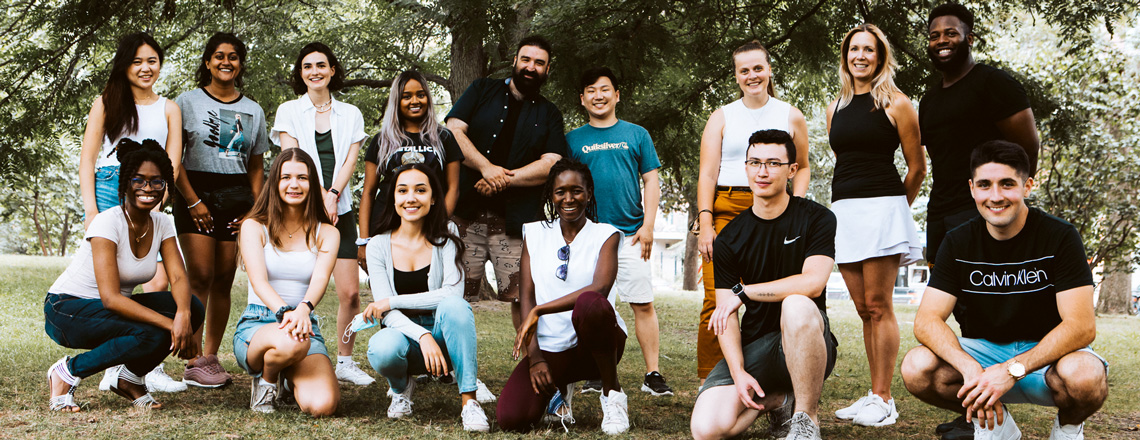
[(617, 157)]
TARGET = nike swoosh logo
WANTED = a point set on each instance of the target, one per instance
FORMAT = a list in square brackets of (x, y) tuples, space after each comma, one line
[(786, 241)]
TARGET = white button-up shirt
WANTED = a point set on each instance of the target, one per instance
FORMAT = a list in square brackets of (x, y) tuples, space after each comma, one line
[(298, 118)]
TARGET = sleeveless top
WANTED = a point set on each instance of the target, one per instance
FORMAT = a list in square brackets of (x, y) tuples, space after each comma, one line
[(864, 141), (289, 272), (739, 124), (152, 125)]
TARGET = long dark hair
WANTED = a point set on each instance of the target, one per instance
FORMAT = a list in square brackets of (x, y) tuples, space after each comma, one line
[(564, 165), (203, 73), (435, 222), (269, 210), (132, 155), (120, 117), (335, 83)]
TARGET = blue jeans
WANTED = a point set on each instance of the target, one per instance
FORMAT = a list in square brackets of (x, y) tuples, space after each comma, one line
[(256, 316), (396, 356), (106, 187), (113, 339)]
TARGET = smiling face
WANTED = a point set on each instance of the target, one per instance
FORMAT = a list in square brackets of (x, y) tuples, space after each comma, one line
[(600, 98), (752, 72), (293, 187), (144, 69), (316, 71), (413, 101), (224, 64), (532, 65), (412, 198), (765, 178), (999, 193), (147, 196), (863, 56), (570, 196), (948, 42)]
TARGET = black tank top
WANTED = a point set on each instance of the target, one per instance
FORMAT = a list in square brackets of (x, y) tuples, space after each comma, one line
[(407, 283), (864, 142)]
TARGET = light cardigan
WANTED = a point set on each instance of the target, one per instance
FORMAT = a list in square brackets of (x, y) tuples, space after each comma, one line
[(444, 279), (298, 118)]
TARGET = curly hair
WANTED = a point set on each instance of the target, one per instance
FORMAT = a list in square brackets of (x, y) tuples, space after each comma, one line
[(567, 164), (132, 155)]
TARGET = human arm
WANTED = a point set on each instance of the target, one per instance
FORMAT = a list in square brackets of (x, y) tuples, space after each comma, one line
[(905, 118), (343, 176), (379, 258), (182, 333), (296, 322), (534, 173), (706, 182), (495, 176), (798, 124), (174, 137), (730, 346), (540, 377), (103, 253), (91, 145), (451, 199), (367, 198), (810, 282), (452, 281), (1021, 129), (255, 172), (651, 194), (199, 213)]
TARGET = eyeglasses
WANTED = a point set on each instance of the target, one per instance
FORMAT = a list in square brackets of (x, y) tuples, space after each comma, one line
[(563, 255), (140, 183), (771, 164)]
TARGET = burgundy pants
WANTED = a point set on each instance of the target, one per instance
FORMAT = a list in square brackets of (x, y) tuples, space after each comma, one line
[(599, 336)]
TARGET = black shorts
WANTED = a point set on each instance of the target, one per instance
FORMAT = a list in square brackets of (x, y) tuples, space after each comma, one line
[(346, 225), (764, 360), (227, 196)]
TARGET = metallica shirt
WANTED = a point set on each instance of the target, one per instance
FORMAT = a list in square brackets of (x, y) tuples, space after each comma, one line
[(1010, 287)]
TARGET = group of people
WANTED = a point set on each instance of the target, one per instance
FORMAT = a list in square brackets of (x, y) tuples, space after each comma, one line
[(500, 182)]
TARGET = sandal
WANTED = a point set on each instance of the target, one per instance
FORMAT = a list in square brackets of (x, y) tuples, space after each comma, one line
[(64, 402), (146, 401)]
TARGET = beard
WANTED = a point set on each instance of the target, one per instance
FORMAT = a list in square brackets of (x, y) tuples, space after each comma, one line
[(527, 85), (960, 57)]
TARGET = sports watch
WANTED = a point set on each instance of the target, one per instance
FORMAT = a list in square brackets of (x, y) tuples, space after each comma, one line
[(738, 290)]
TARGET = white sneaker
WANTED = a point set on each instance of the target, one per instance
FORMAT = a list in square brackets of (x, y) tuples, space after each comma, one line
[(559, 410), (1006, 431), (482, 393), (615, 413), (850, 412), (474, 419), (262, 396), (350, 373), (875, 412), (158, 381), (401, 404), (110, 378), (1066, 432), (802, 428)]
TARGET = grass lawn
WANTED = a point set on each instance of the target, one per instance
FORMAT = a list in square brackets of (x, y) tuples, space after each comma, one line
[(27, 352)]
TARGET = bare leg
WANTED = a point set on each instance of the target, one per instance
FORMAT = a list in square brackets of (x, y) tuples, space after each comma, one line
[(198, 250), (801, 328), (218, 311), (931, 379), (314, 385), (880, 328), (160, 283), (719, 413), (645, 325), (1080, 386), (346, 277)]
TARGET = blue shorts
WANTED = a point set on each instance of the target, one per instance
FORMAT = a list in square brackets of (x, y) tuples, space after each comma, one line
[(106, 187), (1030, 389), (256, 316)]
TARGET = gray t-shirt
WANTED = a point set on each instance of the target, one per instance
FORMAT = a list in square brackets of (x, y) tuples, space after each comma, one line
[(219, 137)]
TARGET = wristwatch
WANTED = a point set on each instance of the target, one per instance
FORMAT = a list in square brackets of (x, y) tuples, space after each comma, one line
[(281, 312), (738, 290), (1016, 370), (362, 241), (312, 308), (334, 191)]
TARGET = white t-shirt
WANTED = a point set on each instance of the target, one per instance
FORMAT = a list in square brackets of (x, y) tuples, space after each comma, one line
[(555, 330), (79, 278), (152, 125), (739, 124)]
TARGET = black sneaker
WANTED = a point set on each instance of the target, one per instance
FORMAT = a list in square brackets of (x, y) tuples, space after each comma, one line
[(959, 422), (592, 386), (655, 384)]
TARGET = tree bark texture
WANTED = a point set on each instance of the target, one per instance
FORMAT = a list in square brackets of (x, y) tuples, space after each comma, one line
[(1115, 288)]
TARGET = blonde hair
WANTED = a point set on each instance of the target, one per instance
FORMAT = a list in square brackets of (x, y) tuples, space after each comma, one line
[(883, 87)]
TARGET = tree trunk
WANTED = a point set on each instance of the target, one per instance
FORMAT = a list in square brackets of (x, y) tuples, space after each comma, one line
[(1115, 288), (468, 25), (36, 221), (692, 260), (65, 232)]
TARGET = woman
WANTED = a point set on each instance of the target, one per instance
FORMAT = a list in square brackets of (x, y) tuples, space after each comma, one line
[(418, 296), (722, 187), (330, 131), (875, 232), (90, 305), (217, 189), (410, 134), (571, 331), (288, 247)]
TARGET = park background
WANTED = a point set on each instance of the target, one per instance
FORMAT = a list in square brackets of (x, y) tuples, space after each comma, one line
[(1079, 62)]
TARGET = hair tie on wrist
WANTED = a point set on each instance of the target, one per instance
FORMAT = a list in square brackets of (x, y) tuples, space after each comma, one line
[(195, 204)]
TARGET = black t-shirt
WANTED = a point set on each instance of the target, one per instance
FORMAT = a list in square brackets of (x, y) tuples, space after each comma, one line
[(958, 118), (753, 250), (416, 150), (864, 141), (1010, 287)]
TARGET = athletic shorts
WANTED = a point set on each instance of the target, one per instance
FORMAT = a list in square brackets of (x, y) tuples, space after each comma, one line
[(1031, 388), (634, 282)]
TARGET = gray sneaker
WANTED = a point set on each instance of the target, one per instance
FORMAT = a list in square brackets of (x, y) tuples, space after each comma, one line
[(801, 427), (262, 396), (778, 418)]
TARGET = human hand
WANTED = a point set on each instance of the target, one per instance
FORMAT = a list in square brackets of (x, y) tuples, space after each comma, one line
[(496, 176), (746, 389), (981, 392), (540, 379), (705, 243), (376, 310), (485, 189), (202, 218), (235, 225), (434, 360), (526, 330), (726, 305), (330, 205), (182, 337), (296, 324), (644, 236), (361, 260)]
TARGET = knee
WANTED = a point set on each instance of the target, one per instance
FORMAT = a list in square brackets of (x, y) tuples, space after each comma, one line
[(1084, 378), (511, 419), (876, 307), (645, 309), (918, 369), (153, 339), (703, 428), (591, 302), (200, 278), (197, 312), (384, 351), (319, 406), (453, 308), (798, 313), (287, 352)]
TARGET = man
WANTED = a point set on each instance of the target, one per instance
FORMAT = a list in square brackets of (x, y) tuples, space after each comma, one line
[(510, 137), (1023, 276), (617, 153), (775, 258), (972, 103)]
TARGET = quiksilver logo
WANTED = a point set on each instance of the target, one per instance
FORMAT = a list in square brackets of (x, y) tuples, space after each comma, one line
[(605, 146), (1006, 279)]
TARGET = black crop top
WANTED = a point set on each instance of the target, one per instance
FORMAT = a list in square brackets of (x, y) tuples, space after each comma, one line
[(407, 283)]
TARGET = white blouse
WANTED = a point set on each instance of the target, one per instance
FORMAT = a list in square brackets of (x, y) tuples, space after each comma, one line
[(298, 118)]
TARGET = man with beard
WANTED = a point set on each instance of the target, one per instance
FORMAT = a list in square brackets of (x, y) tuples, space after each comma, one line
[(510, 137), (972, 103)]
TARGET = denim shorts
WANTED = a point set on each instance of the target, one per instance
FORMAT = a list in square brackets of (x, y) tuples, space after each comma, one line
[(253, 318), (106, 187), (1031, 388)]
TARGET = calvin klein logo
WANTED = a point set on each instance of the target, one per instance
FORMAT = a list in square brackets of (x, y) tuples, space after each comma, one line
[(786, 241), (1006, 279)]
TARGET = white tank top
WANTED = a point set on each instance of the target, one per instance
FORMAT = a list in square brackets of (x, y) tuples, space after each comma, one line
[(739, 124), (152, 125), (289, 272)]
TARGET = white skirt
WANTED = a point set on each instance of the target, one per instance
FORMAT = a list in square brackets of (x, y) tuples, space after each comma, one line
[(875, 227)]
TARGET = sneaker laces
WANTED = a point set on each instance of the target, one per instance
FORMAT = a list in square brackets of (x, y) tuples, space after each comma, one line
[(211, 366), (799, 426)]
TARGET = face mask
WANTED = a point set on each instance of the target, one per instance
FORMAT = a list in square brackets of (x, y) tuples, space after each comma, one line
[(358, 323)]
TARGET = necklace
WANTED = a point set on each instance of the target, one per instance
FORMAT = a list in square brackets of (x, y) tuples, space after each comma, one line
[(294, 231), (131, 223), (324, 108)]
